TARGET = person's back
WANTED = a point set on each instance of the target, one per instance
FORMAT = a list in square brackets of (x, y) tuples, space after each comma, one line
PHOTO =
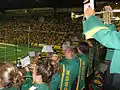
[(82, 59), (83, 66), (28, 81), (70, 71), (64, 79), (40, 87), (42, 75)]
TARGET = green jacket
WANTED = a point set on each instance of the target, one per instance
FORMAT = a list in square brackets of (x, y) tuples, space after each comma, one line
[(65, 79), (110, 51), (109, 54), (55, 81), (28, 81), (70, 72), (94, 28), (40, 87), (62, 60), (82, 60)]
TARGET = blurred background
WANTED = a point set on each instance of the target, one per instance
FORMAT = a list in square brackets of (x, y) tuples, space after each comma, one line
[(26, 25)]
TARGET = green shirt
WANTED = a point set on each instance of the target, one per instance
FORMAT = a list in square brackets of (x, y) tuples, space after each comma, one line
[(28, 81), (65, 79), (55, 81), (62, 60), (69, 74), (109, 54), (40, 87), (82, 60)]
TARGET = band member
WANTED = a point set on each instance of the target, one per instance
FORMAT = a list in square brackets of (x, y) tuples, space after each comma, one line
[(28, 80), (94, 28), (82, 59), (42, 74), (69, 71), (9, 77)]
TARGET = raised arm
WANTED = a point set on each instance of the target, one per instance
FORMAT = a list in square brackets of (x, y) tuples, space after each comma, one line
[(95, 28)]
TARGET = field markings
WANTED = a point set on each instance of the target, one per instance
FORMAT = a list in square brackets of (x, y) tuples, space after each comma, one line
[(3, 47), (8, 44)]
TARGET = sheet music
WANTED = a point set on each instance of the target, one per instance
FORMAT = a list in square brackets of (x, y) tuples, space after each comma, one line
[(25, 61), (31, 53)]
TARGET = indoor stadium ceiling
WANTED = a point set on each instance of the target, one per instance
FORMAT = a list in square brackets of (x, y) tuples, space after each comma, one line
[(17, 4)]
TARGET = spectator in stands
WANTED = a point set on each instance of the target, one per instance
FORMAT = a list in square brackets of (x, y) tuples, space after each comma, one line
[(16, 30)]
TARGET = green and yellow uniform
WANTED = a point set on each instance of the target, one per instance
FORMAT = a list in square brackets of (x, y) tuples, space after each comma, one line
[(109, 54), (62, 60), (69, 74), (65, 79), (55, 81), (40, 87), (94, 28), (28, 81), (110, 51), (82, 60)]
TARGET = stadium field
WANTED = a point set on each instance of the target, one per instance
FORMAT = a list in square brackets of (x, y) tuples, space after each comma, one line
[(11, 52)]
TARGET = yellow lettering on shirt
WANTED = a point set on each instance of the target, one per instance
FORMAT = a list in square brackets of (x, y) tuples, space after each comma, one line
[(68, 72), (65, 88), (66, 84), (67, 78)]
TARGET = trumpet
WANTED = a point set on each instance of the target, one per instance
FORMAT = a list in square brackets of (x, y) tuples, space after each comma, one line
[(75, 16)]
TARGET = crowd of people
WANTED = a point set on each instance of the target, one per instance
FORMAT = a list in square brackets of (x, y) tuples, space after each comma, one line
[(41, 30), (70, 70), (53, 73)]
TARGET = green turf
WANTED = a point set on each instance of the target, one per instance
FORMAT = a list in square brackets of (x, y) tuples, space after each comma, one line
[(12, 52)]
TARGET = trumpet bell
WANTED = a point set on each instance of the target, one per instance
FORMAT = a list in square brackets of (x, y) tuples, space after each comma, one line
[(74, 16)]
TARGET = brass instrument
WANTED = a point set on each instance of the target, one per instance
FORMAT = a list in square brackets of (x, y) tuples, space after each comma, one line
[(75, 16), (107, 16)]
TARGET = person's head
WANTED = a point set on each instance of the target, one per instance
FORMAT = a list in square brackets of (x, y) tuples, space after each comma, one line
[(83, 48), (89, 41), (8, 75), (54, 57), (54, 61), (44, 71), (68, 53)]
